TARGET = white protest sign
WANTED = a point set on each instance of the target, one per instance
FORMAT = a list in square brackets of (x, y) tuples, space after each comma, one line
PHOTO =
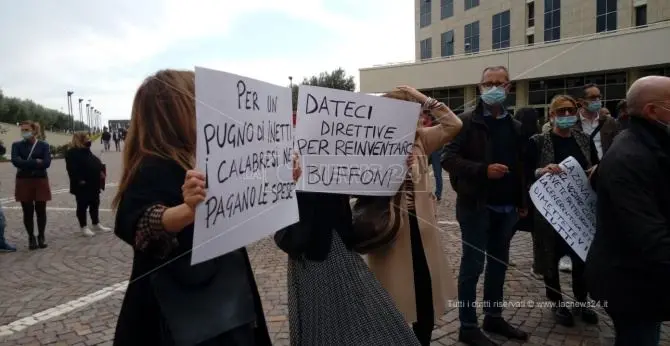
[(353, 143), (568, 203), (244, 130)]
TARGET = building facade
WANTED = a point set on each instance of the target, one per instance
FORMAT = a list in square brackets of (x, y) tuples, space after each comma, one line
[(549, 46), (115, 125)]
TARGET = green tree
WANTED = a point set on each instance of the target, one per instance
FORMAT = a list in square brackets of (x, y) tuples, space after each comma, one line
[(14, 110), (336, 79)]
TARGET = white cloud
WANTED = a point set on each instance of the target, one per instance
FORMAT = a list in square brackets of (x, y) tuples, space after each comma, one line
[(100, 60)]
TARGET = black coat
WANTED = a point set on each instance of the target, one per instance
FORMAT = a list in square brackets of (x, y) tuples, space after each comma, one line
[(84, 170), (628, 265), (167, 296)]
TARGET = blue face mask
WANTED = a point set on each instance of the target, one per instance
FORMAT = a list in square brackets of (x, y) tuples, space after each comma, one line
[(26, 134), (565, 122), (594, 106), (494, 96)]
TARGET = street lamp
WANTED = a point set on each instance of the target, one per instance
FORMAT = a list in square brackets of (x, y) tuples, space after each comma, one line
[(88, 115), (69, 108), (290, 81), (81, 115)]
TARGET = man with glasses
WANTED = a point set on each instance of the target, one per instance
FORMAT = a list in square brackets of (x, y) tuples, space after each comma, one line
[(485, 170)]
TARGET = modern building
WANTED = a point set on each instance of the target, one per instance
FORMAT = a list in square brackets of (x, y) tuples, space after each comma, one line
[(549, 46), (118, 124)]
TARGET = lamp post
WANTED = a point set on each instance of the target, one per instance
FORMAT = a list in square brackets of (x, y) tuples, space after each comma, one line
[(290, 81), (69, 108), (88, 112), (93, 119), (81, 112)]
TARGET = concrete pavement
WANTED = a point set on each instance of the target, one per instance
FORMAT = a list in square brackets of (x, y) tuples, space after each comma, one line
[(70, 293)]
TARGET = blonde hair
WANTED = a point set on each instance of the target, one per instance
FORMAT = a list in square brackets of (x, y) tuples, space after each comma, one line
[(162, 124), (79, 139), (34, 127), (561, 98)]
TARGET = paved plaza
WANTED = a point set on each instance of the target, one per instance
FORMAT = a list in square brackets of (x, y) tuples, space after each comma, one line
[(70, 293)]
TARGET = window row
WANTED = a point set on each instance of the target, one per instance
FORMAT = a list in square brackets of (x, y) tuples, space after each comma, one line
[(446, 9)]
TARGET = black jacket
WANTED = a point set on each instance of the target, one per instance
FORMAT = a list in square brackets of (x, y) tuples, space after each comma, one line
[(197, 302), (467, 157), (84, 170), (628, 265)]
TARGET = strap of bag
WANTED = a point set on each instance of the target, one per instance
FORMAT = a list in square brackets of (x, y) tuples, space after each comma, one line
[(595, 132), (31, 150)]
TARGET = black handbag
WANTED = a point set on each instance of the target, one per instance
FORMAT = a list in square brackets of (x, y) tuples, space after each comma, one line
[(376, 221)]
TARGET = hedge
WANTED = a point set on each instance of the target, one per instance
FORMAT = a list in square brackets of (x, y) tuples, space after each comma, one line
[(57, 151)]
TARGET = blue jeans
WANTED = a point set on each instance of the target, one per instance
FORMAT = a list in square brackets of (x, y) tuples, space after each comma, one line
[(633, 332), (485, 235), (437, 171)]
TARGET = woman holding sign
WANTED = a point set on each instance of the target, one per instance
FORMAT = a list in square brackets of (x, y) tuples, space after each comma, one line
[(545, 151), (414, 269), (168, 301)]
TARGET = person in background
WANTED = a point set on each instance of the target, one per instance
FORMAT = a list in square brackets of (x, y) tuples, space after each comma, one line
[(623, 119), (169, 301), (628, 264), (329, 284), (32, 158), (545, 151), (414, 268), (596, 122), (106, 137), (434, 158), (4, 245), (117, 139), (86, 174), (485, 168), (529, 127)]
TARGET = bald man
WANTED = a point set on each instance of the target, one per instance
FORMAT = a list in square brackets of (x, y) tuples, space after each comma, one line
[(628, 265)]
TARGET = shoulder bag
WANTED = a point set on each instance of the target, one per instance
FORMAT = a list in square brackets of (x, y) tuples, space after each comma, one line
[(376, 221)]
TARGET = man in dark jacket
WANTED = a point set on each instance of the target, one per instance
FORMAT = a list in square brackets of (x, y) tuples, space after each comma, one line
[(485, 170), (628, 265)]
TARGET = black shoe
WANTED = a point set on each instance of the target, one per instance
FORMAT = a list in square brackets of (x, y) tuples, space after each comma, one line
[(563, 316), (586, 314), (499, 326), (475, 337), (32, 243), (40, 241)]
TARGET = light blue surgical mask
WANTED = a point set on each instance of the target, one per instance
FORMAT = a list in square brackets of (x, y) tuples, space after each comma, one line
[(494, 96), (594, 106), (565, 122), (26, 134)]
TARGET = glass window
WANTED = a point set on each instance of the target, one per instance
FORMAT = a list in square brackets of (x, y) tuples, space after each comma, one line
[(530, 40), (451, 97), (641, 15), (471, 38), (424, 13), (536, 85), (552, 20), (427, 48), (536, 97), (447, 43), (606, 13), (471, 3), (615, 92), (530, 14), (446, 8), (500, 31), (558, 83)]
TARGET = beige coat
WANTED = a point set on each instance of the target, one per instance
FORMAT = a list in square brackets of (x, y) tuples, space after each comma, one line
[(393, 265)]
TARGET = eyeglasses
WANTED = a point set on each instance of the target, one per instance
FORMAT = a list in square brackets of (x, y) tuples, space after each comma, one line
[(494, 84)]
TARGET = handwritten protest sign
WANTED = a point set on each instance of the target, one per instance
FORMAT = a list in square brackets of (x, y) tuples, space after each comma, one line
[(245, 140), (568, 203), (352, 143)]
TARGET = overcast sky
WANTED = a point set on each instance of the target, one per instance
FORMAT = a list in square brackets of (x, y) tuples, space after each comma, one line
[(102, 50)]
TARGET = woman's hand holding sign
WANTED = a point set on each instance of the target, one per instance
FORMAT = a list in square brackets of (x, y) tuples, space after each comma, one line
[(297, 169), (193, 189)]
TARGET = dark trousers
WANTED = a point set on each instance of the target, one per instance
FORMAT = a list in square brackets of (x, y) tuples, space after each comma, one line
[(485, 237), (423, 289), (437, 172), (92, 203), (30, 209), (629, 331), (552, 278)]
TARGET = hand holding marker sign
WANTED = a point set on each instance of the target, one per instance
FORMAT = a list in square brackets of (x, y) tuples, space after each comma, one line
[(352, 143), (245, 149)]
